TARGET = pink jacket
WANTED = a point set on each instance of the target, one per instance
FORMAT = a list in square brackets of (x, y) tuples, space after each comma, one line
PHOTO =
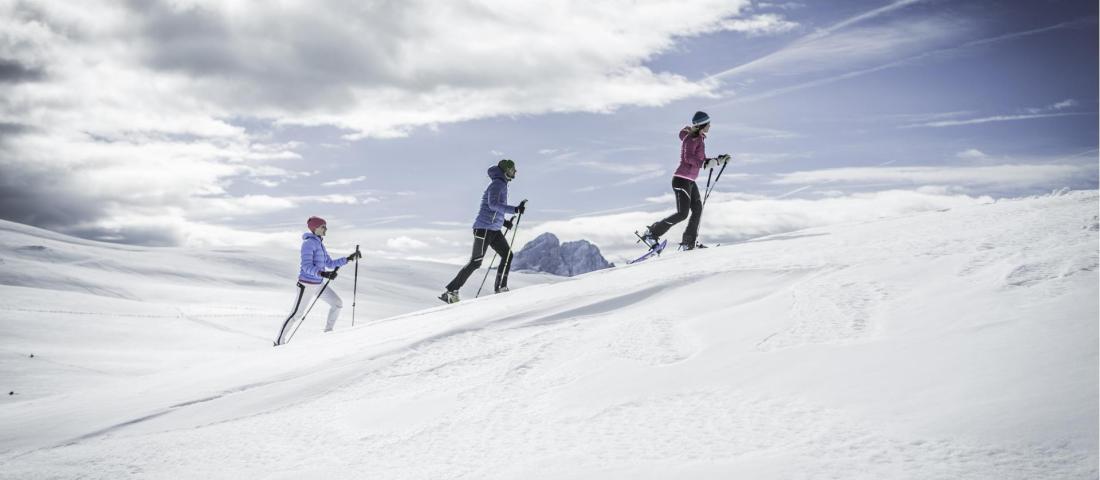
[(692, 154)]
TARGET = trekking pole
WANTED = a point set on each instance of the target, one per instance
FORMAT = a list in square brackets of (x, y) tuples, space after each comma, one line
[(304, 315), (490, 267), (515, 230), (355, 287), (709, 186)]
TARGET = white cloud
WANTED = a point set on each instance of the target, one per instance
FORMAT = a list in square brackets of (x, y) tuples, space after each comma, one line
[(846, 44), (1064, 104), (267, 183), (124, 106), (1003, 176), (972, 154), (838, 52), (781, 6), (766, 24), (380, 69), (332, 198), (344, 181), (756, 158), (213, 207), (405, 243), (995, 118), (862, 17), (846, 50)]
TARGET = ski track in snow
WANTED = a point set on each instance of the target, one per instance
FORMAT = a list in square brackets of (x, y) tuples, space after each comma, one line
[(483, 389)]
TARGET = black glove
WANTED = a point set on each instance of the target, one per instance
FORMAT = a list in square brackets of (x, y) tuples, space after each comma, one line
[(724, 158), (522, 207), (329, 275), (354, 255), (508, 224)]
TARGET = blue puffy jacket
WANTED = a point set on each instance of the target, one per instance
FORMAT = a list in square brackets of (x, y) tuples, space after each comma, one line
[(315, 259), (494, 202)]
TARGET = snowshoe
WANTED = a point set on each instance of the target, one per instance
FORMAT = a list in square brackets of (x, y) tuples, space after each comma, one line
[(449, 297), (654, 250), (691, 246)]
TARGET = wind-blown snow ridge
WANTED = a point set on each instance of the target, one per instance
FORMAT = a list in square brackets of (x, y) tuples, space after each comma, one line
[(953, 344)]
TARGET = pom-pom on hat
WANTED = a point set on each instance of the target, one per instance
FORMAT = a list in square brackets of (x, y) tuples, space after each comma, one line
[(700, 119), (315, 222)]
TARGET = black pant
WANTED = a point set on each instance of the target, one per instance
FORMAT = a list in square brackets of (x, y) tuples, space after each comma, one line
[(687, 198), (293, 313), (483, 239)]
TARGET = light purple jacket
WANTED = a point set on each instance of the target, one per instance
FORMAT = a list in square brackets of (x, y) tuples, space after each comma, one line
[(692, 154), (315, 259)]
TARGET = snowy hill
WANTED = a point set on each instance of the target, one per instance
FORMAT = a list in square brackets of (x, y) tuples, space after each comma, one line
[(953, 344), (92, 311)]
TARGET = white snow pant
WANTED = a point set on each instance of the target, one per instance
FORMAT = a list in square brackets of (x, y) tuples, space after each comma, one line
[(303, 298)]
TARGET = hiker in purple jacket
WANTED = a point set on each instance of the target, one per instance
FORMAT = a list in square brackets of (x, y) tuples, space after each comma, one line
[(314, 267), (490, 219), (693, 158)]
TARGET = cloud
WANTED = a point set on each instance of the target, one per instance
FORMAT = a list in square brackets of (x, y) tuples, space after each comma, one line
[(995, 118), (116, 109), (332, 198), (846, 44), (379, 69), (972, 154), (766, 24), (870, 14), (1001, 176), (1032, 113), (837, 53), (15, 72), (758, 158), (344, 181), (267, 183), (405, 243), (1064, 104)]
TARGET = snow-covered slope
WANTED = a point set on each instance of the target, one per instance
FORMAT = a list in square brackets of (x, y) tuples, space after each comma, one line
[(953, 344), (92, 312)]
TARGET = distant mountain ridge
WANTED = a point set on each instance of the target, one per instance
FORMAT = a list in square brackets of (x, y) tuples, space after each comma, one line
[(547, 254)]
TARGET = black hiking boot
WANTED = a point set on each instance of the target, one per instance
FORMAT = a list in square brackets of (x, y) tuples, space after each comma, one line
[(649, 239), (450, 296)]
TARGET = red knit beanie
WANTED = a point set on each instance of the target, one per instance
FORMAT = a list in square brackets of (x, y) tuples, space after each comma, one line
[(315, 222)]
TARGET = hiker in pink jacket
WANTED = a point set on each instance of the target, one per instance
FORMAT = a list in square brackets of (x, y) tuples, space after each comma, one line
[(693, 158)]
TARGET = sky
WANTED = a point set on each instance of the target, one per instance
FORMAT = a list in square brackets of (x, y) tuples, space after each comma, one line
[(225, 124)]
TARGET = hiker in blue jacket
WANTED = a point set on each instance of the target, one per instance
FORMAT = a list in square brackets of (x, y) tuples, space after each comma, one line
[(314, 267), (490, 219)]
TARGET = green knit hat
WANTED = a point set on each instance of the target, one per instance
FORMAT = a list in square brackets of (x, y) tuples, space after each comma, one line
[(508, 167)]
